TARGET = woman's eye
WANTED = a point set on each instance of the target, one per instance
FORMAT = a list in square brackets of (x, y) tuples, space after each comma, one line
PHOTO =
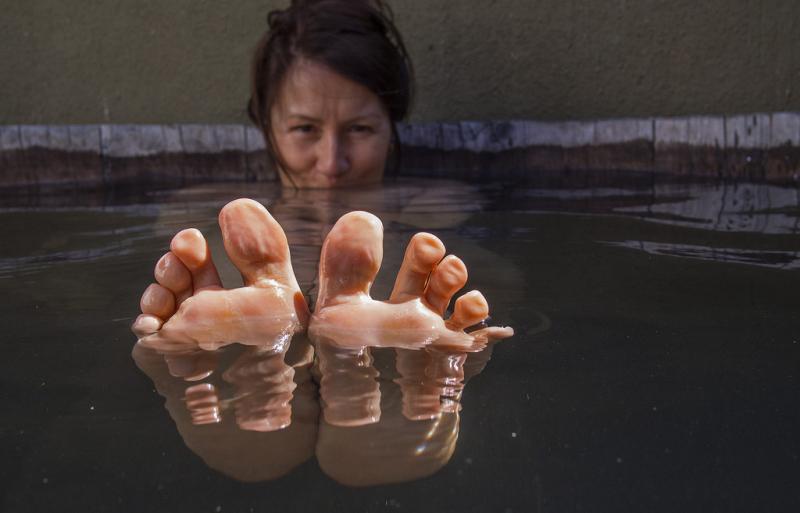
[(303, 129), (361, 129)]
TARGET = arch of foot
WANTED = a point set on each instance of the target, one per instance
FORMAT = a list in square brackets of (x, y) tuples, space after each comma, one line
[(346, 315), (187, 305)]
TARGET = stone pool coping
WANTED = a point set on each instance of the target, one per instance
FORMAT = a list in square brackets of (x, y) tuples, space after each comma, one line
[(761, 146)]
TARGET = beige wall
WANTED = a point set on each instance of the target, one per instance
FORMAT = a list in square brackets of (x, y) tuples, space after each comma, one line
[(186, 61)]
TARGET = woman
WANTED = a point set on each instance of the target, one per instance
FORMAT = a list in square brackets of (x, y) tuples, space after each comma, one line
[(330, 80)]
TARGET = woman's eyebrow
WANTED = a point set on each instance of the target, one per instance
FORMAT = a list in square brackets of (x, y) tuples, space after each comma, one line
[(303, 117), (361, 117), (364, 117)]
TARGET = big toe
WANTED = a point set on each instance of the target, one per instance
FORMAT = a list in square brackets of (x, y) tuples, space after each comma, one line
[(351, 257), (256, 243)]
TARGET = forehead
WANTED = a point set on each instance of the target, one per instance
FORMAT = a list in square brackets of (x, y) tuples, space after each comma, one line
[(314, 90)]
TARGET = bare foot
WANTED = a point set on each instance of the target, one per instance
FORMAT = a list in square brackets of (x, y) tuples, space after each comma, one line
[(187, 307), (346, 315)]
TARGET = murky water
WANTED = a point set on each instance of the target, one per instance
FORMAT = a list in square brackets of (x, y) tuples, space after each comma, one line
[(655, 365)]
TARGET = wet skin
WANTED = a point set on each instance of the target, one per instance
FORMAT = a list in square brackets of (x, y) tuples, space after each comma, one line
[(187, 313), (188, 299), (413, 315)]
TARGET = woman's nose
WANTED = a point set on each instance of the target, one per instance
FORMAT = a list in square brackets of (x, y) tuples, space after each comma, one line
[(332, 156)]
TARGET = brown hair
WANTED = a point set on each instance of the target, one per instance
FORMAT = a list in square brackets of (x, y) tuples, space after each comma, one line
[(355, 38)]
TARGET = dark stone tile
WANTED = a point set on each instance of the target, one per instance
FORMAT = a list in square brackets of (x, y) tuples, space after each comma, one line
[(782, 164), (629, 156)]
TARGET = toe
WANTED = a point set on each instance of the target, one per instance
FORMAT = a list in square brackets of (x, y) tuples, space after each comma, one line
[(192, 249), (158, 301), (351, 257), (470, 309), (422, 254), (173, 275), (146, 324), (256, 243), (446, 279)]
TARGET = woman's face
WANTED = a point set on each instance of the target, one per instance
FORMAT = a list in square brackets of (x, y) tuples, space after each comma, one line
[(328, 130)]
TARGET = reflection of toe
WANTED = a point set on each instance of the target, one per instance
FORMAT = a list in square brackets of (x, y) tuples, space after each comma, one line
[(191, 365), (431, 382), (244, 455), (392, 450), (264, 386), (348, 387), (203, 404)]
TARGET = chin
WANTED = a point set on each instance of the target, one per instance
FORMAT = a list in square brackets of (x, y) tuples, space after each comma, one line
[(344, 180)]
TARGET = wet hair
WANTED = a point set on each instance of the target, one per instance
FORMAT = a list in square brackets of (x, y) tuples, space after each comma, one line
[(355, 38)]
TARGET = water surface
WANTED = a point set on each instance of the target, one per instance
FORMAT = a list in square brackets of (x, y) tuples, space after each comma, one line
[(654, 368)]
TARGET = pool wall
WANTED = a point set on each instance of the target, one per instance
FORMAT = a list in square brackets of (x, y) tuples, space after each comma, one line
[(762, 146), (187, 61)]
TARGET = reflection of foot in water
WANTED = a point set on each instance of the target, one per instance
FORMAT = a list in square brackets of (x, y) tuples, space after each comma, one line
[(364, 437), (187, 305), (348, 385), (371, 432), (187, 309), (346, 314), (389, 420), (255, 421), (264, 383)]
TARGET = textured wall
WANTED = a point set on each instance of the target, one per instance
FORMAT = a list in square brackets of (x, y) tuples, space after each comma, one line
[(186, 61)]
